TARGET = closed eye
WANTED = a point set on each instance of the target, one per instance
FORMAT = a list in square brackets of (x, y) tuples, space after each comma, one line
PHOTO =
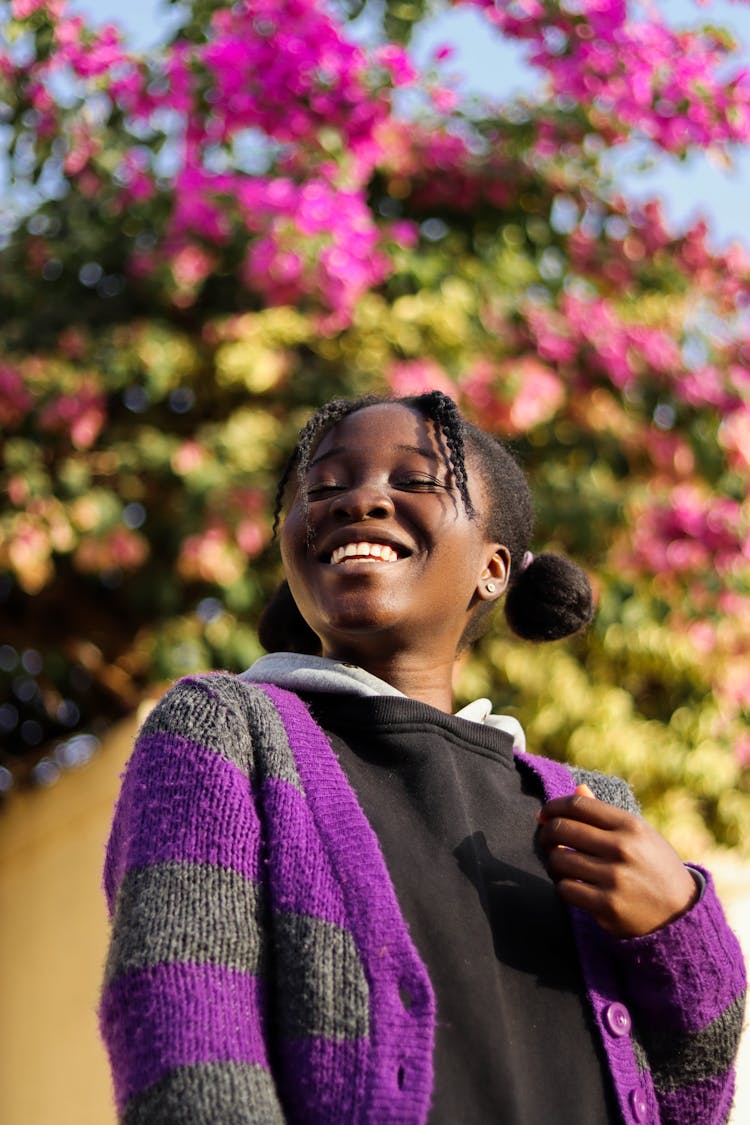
[(403, 484), (420, 484), (318, 491)]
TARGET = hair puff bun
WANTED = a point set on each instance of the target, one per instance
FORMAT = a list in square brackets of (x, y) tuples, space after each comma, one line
[(551, 599)]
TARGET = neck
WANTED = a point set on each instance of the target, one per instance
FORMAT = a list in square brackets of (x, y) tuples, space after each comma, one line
[(428, 681)]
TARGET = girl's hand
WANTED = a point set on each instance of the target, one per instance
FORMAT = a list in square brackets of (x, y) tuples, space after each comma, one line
[(613, 865)]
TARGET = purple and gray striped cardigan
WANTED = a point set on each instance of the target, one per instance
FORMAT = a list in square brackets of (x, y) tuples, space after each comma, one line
[(259, 956)]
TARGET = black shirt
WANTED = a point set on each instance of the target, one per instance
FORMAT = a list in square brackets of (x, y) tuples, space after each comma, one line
[(455, 817)]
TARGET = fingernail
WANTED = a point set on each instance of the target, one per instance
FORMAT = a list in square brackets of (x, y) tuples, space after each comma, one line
[(584, 791)]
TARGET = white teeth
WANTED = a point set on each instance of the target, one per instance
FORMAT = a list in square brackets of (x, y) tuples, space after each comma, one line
[(364, 550)]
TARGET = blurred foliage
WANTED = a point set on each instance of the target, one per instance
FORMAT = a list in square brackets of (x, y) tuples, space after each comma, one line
[(151, 384)]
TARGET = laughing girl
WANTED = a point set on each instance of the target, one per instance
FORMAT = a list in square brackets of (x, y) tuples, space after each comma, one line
[(334, 900)]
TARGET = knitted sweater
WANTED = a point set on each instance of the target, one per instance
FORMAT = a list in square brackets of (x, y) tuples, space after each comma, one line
[(260, 969)]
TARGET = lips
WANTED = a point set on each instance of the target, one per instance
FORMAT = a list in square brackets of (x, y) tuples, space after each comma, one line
[(381, 551), (384, 549)]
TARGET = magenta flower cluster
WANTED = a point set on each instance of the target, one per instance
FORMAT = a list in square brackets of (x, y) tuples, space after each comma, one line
[(694, 533), (275, 151), (642, 76), (278, 77), (275, 123)]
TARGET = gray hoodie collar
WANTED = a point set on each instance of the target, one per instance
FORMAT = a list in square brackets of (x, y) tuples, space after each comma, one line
[(296, 672)]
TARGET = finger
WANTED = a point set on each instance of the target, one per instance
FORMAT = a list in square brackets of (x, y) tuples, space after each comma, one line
[(586, 809), (581, 790), (564, 863), (564, 833), (594, 901)]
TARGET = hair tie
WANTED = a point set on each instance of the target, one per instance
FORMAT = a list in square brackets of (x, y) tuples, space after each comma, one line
[(526, 561)]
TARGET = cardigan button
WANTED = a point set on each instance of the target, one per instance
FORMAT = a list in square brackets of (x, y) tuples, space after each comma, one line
[(617, 1019), (638, 1104)]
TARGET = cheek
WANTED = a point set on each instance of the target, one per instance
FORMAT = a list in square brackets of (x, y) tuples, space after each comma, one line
[(293, 533), (292, 565)]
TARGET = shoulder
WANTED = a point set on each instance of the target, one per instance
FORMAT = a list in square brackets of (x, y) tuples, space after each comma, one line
[(221, 715), (218, 712), (208, 700)]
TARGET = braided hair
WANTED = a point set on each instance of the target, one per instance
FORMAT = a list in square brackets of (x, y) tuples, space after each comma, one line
[(434, 405), (548, 596)]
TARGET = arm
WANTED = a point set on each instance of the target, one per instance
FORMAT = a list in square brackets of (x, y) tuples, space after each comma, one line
[(183, 1008), (686, 984), (681, 964)]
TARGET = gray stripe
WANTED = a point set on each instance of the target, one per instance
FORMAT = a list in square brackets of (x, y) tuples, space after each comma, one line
[(641, 1058), (679, 1061), (321, 978), (613, 790), (233, 718), (196, 710), (186, 912), (273, 750), (218, 1093)]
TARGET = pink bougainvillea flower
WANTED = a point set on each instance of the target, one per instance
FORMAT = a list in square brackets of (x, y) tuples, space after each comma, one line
[(81, 414), (191, 265), (742, 749), (121, 548), (672, 87), (416, 376), (513, 396), (188, 458), (211, 556), (734, 435), (15, 399), (404, 233), (690, 533), (252, 536), (27, 550), (21, 9)]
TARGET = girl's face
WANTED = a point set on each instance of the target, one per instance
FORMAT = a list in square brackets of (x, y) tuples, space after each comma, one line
[(395, 563)]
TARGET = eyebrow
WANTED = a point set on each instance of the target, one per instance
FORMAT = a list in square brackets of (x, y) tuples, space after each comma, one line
[(422, 450)]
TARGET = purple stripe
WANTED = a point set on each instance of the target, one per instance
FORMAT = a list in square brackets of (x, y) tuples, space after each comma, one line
[(180, 801), (604, 989), (597, 967), (696, 957), (318, 1100), (318, 893), (400, 1041), (167, 1016), (556, 778), (710, 1100)]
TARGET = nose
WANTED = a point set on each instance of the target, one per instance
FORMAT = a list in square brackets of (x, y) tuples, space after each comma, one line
[(364, 501)]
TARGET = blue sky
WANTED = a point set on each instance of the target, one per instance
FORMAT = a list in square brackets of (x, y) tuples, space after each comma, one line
[(489, 65)]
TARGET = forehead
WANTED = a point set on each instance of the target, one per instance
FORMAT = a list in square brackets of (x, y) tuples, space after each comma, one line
[(385, 427)]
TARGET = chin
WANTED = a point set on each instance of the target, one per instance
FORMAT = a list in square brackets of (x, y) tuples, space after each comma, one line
[(347, 626), (360, 636)]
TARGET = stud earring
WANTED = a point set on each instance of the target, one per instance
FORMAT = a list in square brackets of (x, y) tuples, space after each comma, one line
[(490, 587)]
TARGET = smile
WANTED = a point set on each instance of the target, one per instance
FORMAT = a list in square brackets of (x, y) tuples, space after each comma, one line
[(380, 551)]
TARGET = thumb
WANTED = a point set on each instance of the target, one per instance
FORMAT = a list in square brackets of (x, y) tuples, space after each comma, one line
[(584, 791)]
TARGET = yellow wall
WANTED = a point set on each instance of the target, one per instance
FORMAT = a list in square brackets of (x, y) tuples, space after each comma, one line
[(53, 934)]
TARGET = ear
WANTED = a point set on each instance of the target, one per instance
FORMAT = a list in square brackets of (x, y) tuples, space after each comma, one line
[(493, 580)]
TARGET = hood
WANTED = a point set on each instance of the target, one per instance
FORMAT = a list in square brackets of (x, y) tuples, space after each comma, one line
[(297, 672)]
